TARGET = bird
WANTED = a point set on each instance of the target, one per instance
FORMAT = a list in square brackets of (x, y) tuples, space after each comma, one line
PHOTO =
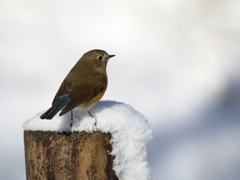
[(84, 85)]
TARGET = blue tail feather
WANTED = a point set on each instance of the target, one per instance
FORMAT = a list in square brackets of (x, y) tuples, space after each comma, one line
[(56, 107)]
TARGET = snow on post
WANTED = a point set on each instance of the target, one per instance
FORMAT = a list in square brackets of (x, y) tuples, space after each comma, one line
[(123, 131)]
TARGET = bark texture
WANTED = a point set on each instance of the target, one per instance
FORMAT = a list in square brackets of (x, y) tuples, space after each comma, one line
[(76, 156)]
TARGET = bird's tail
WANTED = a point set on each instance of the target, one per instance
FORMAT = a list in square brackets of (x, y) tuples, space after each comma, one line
[(56, 107)]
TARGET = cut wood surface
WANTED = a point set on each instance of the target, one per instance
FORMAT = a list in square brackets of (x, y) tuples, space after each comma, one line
[(76, 156)]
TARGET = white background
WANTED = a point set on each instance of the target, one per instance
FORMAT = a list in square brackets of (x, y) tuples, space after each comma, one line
[(177, 62)]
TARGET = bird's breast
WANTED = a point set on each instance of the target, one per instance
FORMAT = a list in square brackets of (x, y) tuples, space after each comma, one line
[(87, 105)]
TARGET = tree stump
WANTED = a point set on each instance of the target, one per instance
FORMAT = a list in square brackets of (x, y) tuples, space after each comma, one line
[(76, 156)]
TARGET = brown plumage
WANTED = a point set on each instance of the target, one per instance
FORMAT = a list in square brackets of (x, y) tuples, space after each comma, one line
[(84, 85)]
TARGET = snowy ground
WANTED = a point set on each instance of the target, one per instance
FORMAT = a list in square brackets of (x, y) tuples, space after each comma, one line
[(177, 63)]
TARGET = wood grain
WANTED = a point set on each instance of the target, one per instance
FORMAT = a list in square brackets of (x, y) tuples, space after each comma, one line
[(76, 156)]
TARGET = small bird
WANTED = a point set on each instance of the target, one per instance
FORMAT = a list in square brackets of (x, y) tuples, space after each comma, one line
[(84, 85)]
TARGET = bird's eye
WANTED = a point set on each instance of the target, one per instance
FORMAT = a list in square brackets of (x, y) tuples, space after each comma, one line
[(99, 57)]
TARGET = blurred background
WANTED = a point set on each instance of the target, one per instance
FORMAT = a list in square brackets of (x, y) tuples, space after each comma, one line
[(177, 63)]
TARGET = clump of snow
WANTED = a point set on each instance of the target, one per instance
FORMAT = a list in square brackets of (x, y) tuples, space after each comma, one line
[(130, 132)]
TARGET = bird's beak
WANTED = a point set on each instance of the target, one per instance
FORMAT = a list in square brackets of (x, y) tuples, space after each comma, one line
[(110, 56)]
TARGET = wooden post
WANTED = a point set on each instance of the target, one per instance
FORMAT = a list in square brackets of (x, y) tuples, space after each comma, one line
[(76, 156)]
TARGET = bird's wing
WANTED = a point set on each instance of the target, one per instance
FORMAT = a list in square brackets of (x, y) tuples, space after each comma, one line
[(82, 94), (63, 90), (81, 91)]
